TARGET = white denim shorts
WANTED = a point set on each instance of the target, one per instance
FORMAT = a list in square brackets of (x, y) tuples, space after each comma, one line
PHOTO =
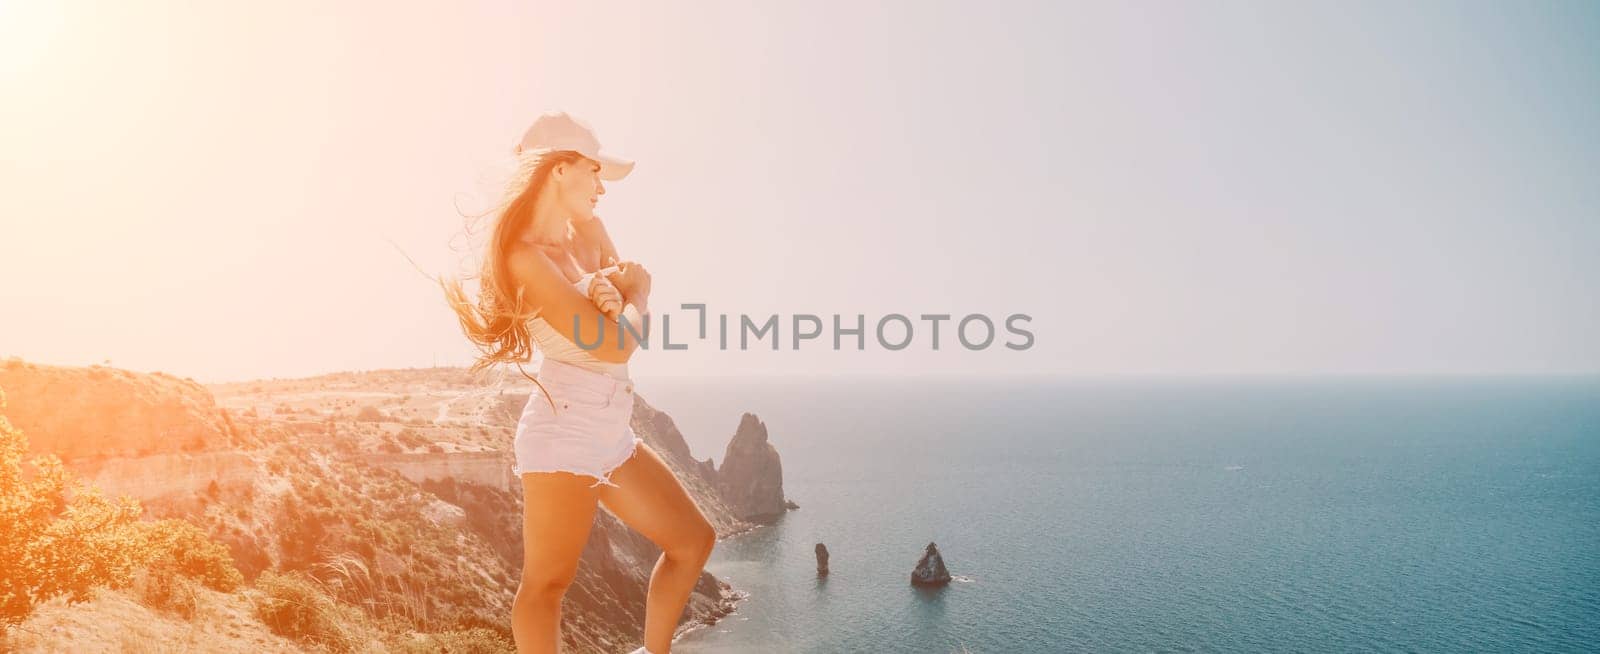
[(586, 432)]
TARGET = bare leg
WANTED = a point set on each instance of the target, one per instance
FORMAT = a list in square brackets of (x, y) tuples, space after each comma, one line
[(558, 512), (653, 502)]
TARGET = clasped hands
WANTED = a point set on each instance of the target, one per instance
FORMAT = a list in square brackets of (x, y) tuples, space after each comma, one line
[(629, 284)]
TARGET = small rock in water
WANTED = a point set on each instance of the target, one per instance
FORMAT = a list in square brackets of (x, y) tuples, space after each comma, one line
[(822, 559), (930, 570)]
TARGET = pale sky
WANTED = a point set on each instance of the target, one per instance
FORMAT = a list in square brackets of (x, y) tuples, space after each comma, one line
[(1166, 188)]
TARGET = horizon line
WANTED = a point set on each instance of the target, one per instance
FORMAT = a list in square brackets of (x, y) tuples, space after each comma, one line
[(925, 375)]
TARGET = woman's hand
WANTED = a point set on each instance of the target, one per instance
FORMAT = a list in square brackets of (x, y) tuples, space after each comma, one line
[(633, 280), (605, 296)]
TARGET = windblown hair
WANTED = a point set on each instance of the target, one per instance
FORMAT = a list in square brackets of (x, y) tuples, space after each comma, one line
[(497, 324)]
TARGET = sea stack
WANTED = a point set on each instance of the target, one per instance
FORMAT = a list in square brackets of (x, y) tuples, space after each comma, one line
[(822, 560), (751, 476), (930, 570)]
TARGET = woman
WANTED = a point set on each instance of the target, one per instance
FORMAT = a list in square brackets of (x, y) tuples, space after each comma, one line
[(574, 446)]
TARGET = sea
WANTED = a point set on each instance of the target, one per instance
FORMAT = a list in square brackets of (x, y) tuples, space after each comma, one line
[(1200, 514)]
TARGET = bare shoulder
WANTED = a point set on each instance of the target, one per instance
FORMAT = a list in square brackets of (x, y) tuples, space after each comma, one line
[(594, 233), (530, 262)]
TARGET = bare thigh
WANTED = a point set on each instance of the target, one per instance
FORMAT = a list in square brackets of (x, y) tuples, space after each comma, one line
[(650, 500), (558, 511)]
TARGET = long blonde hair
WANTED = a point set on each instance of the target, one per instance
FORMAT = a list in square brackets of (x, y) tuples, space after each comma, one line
[(497, 324)]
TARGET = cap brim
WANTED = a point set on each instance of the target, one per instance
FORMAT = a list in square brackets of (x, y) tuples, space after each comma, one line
[(613, 168)]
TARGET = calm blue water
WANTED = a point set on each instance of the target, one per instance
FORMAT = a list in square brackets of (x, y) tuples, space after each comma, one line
[(1288, 514)]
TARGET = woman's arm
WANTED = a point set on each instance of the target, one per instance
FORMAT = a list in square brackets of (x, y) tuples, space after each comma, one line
[(594, 233), (560, 304)]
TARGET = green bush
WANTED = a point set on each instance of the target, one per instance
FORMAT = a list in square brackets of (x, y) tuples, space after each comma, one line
[(179, 546), (304, 530), (59, 538), (62, 538)]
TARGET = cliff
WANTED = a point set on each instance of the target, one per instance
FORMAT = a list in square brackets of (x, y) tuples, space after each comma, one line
[(162, 475), (751, 476), (492, 469), (144, 435), (290, 472), (107, 412)]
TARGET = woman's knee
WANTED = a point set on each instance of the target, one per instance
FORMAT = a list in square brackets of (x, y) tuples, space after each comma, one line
[(544, 587), (695, 541)]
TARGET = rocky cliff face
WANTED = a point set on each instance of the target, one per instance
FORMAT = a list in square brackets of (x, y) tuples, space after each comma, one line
[(492, 469), (163, 475), (751, 476)]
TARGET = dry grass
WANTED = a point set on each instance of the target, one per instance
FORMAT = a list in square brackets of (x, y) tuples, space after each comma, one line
[(295, 606), (117, 621)]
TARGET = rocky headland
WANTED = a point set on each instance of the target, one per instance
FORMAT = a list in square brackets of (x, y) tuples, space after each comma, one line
[(751, 475), (406, 471)]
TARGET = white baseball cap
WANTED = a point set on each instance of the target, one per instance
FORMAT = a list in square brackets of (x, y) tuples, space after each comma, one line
[(556, 130)]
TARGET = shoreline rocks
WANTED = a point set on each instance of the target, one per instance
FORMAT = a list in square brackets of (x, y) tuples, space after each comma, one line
[(930, 570)]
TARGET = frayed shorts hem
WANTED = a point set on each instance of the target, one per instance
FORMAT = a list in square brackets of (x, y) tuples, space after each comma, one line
[(603, 476)]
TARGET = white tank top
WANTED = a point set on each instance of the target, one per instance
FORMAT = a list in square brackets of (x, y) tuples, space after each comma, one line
[(556, 346)]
